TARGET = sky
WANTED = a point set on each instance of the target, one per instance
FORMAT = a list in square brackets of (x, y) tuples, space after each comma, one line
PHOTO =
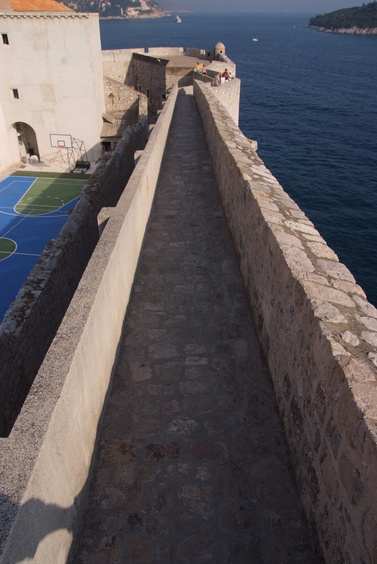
[(312, 7)]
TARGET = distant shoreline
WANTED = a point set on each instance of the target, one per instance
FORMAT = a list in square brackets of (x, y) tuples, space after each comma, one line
[(147, 16), (347, 30)]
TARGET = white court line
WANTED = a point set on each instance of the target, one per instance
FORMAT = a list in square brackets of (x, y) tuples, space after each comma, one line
[(27, 254), (18, 254), (14, 182), (58, 181), (36, 216), (36, 206), (14, 226)]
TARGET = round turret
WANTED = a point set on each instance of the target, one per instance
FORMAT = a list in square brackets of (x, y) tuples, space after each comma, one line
[(219, 51)]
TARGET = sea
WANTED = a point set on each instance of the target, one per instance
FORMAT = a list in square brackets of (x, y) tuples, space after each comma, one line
[(310, 101)]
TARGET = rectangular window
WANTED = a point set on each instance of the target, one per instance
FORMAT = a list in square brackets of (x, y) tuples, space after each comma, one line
[(4, 39), (15, 94), (40, 40), (48, 94)]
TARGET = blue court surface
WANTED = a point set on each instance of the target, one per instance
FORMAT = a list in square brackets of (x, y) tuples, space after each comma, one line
[(29, 232)]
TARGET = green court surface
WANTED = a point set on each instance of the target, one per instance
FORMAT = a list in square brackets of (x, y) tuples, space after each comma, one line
[(34, 206), (7, 247), (49, 192)]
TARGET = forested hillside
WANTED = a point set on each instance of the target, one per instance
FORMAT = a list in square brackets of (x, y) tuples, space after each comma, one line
[(362, 17)]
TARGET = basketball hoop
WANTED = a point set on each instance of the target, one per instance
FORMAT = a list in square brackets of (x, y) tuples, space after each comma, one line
[(74, 149)]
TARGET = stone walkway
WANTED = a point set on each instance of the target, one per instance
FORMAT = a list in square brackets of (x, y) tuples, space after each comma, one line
[(192, 462)]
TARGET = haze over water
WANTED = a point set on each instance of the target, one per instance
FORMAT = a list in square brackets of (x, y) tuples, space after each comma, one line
[(310, 100)]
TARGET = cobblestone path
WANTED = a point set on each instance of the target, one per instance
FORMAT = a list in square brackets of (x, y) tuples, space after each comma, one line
[(192, 462)]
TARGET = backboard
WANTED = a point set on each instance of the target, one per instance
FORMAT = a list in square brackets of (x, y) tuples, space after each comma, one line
[(60, 141)]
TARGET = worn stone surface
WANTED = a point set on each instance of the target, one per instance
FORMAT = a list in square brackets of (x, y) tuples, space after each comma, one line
[(192, 462), (319, 335)]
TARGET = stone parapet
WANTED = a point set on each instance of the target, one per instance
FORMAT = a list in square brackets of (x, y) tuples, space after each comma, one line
[(229, 95), (114, 55), (44, 463), (199, 53), (117, 65), (319, 335), (206, 78), (180, 75), (165, 51)]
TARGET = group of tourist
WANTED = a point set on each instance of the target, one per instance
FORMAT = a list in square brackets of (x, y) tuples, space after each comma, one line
[(203, 70), (220, 78)]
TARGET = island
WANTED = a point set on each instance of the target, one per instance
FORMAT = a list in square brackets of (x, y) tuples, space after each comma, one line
[(360, 20)]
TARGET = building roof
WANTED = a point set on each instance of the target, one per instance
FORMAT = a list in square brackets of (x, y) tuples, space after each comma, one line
[(113, 125), (38, 6)]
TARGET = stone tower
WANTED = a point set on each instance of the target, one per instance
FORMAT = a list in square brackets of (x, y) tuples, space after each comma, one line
[(219, 51)]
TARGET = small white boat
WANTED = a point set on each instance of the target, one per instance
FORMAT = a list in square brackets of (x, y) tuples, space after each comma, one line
[(178, 19), (255, 39)]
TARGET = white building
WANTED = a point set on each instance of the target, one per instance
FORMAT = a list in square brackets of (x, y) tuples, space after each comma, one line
[(51, 79)]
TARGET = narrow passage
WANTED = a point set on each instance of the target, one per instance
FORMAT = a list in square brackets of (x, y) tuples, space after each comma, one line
[(192, 462)]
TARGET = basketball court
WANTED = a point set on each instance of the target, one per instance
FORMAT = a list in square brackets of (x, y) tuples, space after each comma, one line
[(34, 206)]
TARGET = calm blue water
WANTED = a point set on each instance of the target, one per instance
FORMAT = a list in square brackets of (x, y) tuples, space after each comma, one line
[(310, 100)]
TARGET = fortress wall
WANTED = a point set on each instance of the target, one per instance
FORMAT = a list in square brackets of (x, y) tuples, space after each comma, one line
[(202, 77), (229, 96), (165, 51), (143, 104), (319, 334), (220, 66), (117, 64), (178, 74), (199, 53), (44, 463), (120, 98), (149, 75), (32, 320)]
